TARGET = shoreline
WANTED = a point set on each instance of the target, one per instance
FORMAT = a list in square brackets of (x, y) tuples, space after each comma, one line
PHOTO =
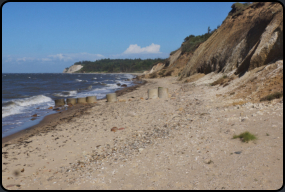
[(52, 119), (181, 142)]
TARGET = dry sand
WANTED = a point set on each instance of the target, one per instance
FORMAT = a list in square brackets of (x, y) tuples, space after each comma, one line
[(183, 142)]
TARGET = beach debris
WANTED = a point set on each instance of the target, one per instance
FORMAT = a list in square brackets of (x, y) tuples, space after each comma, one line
[(140, 149), (50, 108), (122, 100), (114, 129), (22, 170), (34, 115), (12, 185)]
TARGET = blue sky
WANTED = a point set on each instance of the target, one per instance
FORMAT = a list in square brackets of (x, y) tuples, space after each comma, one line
[(46, 37)]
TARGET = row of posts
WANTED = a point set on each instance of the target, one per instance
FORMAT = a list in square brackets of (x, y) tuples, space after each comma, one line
[(159, 92)]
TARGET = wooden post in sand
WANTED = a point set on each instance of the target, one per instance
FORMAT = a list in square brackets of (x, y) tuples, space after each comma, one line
[(91, 99), (81, 100), (152, 93), (111, 97), (59, 102), (163, 92), (71, 101)]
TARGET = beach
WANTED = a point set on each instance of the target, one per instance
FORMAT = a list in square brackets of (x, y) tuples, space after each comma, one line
[(182, 142)]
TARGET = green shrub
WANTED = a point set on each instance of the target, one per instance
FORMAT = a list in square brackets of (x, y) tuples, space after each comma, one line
[(270, 97), (245, 137)]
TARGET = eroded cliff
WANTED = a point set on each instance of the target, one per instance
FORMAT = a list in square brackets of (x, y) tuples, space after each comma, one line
[(72, 69), (245, 40)]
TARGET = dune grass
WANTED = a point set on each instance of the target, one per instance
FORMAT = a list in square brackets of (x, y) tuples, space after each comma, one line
[(245, 137)]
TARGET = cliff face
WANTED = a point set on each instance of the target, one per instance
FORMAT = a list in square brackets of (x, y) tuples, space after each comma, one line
[(72, 69), (245, 40)]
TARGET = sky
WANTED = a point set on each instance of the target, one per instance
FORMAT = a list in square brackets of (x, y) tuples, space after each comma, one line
[(47, 37)]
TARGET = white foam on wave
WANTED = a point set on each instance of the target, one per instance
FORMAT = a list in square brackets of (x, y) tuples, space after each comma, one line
[(113, 86), (65, 94), (129, 76), (79, 80), (22, 105)]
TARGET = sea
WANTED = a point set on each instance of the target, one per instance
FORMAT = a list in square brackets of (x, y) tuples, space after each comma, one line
[(26, 94)]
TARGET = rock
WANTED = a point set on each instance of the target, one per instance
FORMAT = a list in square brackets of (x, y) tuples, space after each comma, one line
[(121, 128), (208, 161), (22, 170), (119, 84), (238, 152), (141, 149), (35, 115), (50, 108), (124, 85), (33, 119), (132, 114)]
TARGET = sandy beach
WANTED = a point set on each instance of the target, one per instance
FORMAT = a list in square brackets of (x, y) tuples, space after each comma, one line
[(182, 142)]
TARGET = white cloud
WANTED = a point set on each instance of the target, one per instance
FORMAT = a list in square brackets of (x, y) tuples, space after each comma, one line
[(153, 48), (76, 56), (70, 57), (25, 59)]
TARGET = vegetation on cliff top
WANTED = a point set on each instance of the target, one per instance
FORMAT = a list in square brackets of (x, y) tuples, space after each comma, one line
[(118, 65), (192, 42)]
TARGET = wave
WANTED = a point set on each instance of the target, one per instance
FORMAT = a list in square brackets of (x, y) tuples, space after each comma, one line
[(79, 80), (18, 106), (65, 94)]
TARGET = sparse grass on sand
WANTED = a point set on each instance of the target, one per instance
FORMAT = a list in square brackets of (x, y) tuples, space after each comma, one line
[(245, 137), (272, 96)]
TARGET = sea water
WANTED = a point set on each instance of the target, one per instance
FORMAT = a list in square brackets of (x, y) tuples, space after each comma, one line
[(26, 94)]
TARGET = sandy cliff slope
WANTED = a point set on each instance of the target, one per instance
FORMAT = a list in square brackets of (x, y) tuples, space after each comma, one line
[(72, 69), (243, 42)]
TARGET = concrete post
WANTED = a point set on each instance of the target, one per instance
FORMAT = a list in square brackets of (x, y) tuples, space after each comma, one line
[(59, 102), (91, 99), (162, 92), (111, 97), (152, 93), (81, 100), (71, 101)]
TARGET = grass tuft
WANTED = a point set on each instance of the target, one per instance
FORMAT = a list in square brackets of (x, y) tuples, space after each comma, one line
[(245, 137)]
